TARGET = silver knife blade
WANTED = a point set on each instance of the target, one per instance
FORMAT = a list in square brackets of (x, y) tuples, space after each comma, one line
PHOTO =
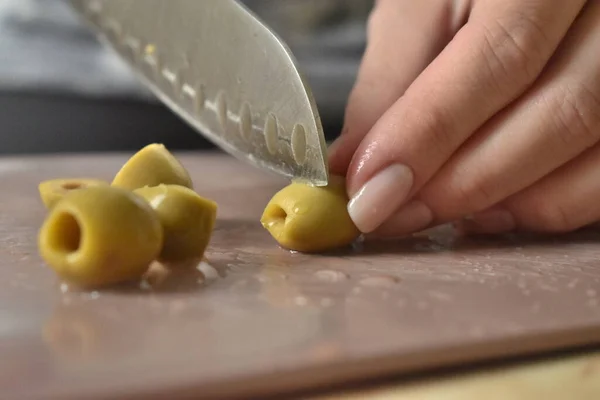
[(224, 72)]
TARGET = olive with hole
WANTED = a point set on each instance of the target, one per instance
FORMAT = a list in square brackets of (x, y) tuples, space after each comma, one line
[(100, 236), (51, 191), (309, 218), (151, 166), (187, 219)]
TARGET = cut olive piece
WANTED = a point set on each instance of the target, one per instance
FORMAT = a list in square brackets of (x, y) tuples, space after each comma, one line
[(187, 220), (311, 219), (100, 236), (151, 166), (53, 190)]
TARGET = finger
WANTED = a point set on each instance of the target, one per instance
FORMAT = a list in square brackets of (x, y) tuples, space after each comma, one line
[(492, 60), (403, 37), (563, 201), (412, 218), (554, 122)]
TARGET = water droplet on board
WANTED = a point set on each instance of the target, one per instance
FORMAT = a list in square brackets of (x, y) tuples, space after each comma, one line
[(299, 144), (327, 275), (301, 301), (209, 272), (271, 133), (245, 121), (380, 281)]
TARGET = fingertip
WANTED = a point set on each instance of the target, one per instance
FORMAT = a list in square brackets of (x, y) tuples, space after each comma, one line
[(490, 222), (411, 218), (380, 197)]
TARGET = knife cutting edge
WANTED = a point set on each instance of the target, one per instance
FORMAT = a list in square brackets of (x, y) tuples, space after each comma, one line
[(223, 71)]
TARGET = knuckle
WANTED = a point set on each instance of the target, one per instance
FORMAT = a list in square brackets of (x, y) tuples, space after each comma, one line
[(475, 195), (554, 218), (513, 50), (577, 115), (547, 216), (436, 129), (455, 195)]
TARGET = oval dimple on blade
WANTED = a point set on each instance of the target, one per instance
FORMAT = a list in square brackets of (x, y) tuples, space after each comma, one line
[(225, 73)]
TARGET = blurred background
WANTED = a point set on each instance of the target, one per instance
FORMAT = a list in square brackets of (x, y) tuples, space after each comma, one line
[(61, 91)]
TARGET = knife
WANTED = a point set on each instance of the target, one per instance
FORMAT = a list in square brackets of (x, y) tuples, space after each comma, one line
[(223, 71)]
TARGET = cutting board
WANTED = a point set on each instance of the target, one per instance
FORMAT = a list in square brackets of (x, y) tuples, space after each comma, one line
[(255, 319)]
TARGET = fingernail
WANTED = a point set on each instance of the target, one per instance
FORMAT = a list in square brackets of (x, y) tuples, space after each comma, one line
[(490, 222), (380, 197), (412, 218)]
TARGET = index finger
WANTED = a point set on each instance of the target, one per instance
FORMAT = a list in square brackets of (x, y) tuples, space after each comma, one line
[(490, 62), (403, 37)]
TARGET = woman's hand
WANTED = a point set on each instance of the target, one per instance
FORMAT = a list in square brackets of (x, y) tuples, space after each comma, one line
[(485, 111)]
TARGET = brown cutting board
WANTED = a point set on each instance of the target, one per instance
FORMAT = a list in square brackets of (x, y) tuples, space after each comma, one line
[(257, 319)]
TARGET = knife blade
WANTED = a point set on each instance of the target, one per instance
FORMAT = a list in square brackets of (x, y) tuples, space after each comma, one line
[(223, 71)]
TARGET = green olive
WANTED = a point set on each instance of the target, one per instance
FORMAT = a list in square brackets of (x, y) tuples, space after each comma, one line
[(311, 219), (151, 166), (187, 220), (100, 236), (53, 190)]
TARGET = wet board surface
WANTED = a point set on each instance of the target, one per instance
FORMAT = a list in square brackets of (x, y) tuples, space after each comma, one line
[(259, 320)]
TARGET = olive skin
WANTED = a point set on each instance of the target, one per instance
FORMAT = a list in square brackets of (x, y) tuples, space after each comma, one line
[(151, 166), (187, 219), (52, 191), (100, 236), (311, 219)]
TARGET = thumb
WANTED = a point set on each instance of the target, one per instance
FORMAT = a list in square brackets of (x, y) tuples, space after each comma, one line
[(404, 36)]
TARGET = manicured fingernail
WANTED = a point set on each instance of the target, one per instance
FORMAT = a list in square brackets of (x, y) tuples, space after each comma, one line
[(380, 197), (490, 222), (412, 218)]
